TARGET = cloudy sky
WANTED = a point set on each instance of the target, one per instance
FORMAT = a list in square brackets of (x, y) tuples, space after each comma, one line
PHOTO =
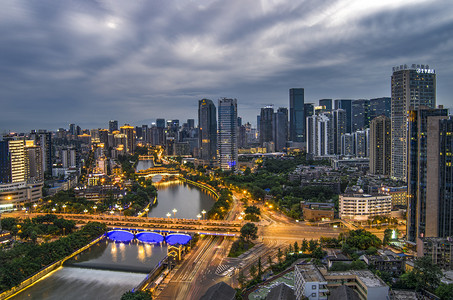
[(87, 62)]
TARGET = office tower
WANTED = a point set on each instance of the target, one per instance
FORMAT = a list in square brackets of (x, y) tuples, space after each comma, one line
[(347, 144), (346, 105), (145, 134), (128, 131), (258, 125), (207, 130), (280, 128), (326, 104), (113, 126), (338, 128), (239, 121), (228, 151), (160, 123), (380, 106), (411, 88), (191, 123), (297, 115), (266, 124), (309, 109), (361, 142), (68, 158), (319, 135), (12, 168), (33, 163), (360, 109), (422, 171), (104, 138), (72, 129), (380, 145), (43, 139), (138, 132)]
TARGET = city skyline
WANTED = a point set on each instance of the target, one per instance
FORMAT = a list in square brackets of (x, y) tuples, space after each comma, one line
[(90, 62)]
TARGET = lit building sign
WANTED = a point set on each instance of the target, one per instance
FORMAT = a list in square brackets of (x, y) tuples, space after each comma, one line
[(426, 71)]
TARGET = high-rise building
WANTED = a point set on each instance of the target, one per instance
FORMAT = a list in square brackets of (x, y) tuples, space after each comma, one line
[(361, 143), (280, 129), (346, 105), (411, 88), (228, 150), (207, 126), (347, 144), (266, 124), (338, 128), (12, 168), (130, 138), (326, 104), (113, 126), (43, 139), (72, 129), (422, 172), (33, 162), (191, 123), (380, 145), (319, 135), (380, 106), (160, 123), (297, 115), (360, 114)]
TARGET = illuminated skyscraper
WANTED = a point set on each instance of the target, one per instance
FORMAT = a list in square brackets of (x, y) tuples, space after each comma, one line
[(130, 138), (380, 145), (411, 88), (207, 126), (228, 149), (113, 126)]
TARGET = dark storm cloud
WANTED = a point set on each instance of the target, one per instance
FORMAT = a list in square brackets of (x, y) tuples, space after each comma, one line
[(87, 62)]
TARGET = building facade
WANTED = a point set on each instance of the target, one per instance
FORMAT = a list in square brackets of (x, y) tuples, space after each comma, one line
[(297, 115), (380, 145), (207, 134), (228, 150), (359, 207), (412, 87)]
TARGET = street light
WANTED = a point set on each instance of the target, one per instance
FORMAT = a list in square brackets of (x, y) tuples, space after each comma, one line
[(35, 205), (64, 208), (203, 212), (53, 210), (85, 210), (174, 212), (198, 216), (147, 210), (94, 207), (112, 212)]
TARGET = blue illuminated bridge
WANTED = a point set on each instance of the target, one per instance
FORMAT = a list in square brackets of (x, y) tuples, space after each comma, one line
[(125, 235)]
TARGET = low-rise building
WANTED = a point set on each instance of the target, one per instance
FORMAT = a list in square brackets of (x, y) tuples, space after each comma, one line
[(15, 195), (439, 249), (317, 211), (359, 207), (99, 193), (314, 283), (386, 261), (309, 282)]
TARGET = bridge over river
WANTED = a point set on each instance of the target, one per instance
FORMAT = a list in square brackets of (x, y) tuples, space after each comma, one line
[(208, 227)]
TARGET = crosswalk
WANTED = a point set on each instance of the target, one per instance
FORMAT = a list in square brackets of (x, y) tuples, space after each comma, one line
[(223, 270)]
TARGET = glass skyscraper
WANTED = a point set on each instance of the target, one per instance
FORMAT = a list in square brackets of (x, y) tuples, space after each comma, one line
[(228, 148), (207, 126), (297, 115)]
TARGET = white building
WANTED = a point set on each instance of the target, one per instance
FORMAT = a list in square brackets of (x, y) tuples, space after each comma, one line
[(309, 282), (359, 207)]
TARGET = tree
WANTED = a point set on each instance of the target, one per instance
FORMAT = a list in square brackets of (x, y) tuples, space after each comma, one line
[(427, 274), (269, 261), (445, 291), (318, 253), (140, 295), (296, 247), (279, 255), (312, 245), (252, 210), (249, 232), (253, 271), (242, 279), (387, 236), (304, 245)]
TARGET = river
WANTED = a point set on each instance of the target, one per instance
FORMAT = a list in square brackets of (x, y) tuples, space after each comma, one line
[(107, 269)]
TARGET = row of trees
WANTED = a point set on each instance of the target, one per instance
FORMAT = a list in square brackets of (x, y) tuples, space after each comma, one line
[(25, 259)]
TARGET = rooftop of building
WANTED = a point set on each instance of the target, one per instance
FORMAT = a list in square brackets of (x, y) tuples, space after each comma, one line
[(367, 277), (343, 292), (219, 291), (310, 272), (281, 291)]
